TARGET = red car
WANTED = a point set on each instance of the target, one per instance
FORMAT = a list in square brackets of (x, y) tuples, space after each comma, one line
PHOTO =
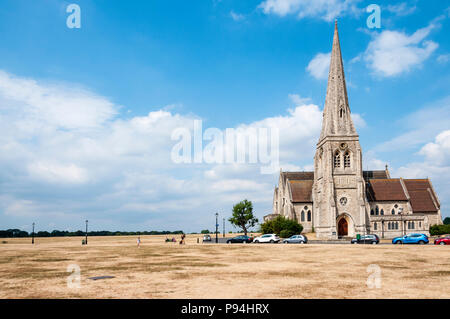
[(442, 241)]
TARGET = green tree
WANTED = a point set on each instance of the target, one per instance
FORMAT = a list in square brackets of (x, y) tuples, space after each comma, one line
[(447, 221), (243, 216), (281, 226), (205, 231)]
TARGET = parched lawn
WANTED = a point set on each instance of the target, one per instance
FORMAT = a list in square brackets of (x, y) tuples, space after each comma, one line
[(160, 270)]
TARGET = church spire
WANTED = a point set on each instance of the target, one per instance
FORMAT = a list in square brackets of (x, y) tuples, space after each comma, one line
[(337, 119)]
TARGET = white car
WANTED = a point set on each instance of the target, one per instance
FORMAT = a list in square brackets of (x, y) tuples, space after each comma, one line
[(267, 238)]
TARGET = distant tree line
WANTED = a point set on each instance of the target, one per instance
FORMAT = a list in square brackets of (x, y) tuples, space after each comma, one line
[(17, 233)]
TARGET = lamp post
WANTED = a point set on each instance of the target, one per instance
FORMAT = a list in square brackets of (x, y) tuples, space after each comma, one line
[(32, 235), (400, 212), (86, 231), (217, 228), (224, 228)]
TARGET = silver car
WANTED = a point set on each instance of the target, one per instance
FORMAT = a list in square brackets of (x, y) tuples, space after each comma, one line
[(296, 239)]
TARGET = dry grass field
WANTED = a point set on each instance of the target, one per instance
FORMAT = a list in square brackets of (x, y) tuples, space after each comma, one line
[(160, 270)]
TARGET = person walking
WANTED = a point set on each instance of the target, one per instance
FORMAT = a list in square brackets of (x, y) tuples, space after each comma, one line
[(139, 242)]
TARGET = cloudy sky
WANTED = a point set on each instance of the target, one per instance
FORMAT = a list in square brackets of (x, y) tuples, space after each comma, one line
[(87, 115)]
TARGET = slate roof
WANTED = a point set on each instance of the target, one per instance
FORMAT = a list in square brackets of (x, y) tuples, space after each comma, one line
[(385, 190), (301, 191), (422, 196)]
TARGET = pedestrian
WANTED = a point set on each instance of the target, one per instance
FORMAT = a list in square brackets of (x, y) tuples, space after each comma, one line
[(139, 242)]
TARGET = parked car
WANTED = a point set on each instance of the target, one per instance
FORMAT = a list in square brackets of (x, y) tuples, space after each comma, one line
[(296, 239), (240, 239), (206, 238), (442, 241), (267, 238), (411, 239), (366, 239)]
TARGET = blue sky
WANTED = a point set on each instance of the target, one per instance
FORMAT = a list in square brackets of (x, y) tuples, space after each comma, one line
[(87, 113)]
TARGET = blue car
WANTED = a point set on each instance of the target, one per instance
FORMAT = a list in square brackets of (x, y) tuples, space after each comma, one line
[(411, 239)]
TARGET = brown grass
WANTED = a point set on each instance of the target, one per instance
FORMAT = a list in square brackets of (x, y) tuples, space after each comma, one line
[(167, 270)]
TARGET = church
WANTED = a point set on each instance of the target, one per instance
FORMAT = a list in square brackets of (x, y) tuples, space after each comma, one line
[(338, 199)]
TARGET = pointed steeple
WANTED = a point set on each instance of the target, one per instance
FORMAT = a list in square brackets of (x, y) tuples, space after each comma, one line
[(337, 119)]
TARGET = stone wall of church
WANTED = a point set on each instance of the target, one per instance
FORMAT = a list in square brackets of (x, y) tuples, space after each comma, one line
[(392, 226), (304, 215)]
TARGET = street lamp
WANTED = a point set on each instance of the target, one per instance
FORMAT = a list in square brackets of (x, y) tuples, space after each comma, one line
[(224, 228), (32, 235), (400, 212), (86, 231), (217, 228)]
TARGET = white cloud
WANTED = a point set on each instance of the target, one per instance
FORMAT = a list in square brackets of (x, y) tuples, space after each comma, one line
[(391, 53), (443, 58), (438, 152), (54, 105), (319, 66), (323, 9), (237, 16), (401, 9), (435, 166), (298, 100), (358, 120), (419, 127), (64, 161)]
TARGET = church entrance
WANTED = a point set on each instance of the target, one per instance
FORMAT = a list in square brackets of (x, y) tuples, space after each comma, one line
[(342, 227)]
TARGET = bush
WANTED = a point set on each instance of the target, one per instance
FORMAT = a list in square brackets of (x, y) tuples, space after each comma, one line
[(447, 221), (286, 233), (281, 226), (436, 230)]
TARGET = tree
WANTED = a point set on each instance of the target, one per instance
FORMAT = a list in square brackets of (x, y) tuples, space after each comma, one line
[(282, 227), (243, 216), (205, 231), (447, 221)]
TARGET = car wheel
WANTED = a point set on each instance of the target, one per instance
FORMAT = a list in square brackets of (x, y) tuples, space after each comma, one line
[(374, 243), (302, 242), (271, 241), (256, 241), (442, 243), (398, 242), (421, 242), (228, 242), (245, 242)]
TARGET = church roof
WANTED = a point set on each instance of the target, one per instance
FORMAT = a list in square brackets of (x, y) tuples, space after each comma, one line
[(298, 175), (301, 191), (386, 190), (422, 196), (381, 174)]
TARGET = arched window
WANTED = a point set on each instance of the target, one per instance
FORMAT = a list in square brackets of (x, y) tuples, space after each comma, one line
[(309, 215), (382, 212), (393, 211), (389, 225), (337, 159), (420, 224), (341, 113), (374, 226), (396, 225), (372, 212), (347, 159), (303, 216), (412, 225), (409, 225), (377, 212)]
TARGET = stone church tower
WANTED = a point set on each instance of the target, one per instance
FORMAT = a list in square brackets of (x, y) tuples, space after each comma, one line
[(339, 188), (338, 199)]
